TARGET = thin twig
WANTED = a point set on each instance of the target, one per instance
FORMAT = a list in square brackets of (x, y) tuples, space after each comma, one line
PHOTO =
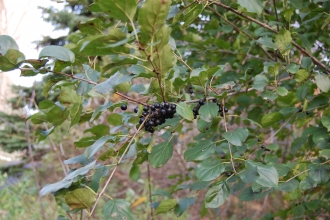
[(274, 2), (229, 147), (114, 170), (28, 139), (304, 172), (315, 60), (149, 189)]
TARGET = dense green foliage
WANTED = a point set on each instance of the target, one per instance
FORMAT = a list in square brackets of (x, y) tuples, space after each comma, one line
[(249, 81)]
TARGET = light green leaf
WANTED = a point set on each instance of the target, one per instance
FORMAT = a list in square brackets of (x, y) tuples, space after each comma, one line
[(326, 121), (254, 6), (267, 42), (185, 111), (80, 198), (283, 41), (273, 147), (301, 75), (322, 82), (152, 15), (6, 43), (117, 209), (58, 52), (201, 150), (209, 169), (192, 13), (271, 119), (259, 82), (160, 154), (236, 137), (69, 96), (93, 26), (199, 76), (75, 112), (93, 149), (115, 119), (123, 10), (216, 195), (109, 85), (292, 68), (282, 91), (208, 111), (166, 205)]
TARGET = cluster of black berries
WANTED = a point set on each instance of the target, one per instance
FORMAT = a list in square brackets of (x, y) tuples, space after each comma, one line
[(221, 109), (158, 113)]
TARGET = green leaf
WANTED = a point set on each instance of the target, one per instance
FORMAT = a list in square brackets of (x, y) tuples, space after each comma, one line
[(115, 119), (93, 149), (166, 205), (68, 96), (288, 186), (292, 68), (75, 112), (236, 137), (287, 14), (283, 41), (319, 173), (203, 126), (201, 150), (110, 84), (93, 26), (185, 111), (6, 43), (326, 121), (123, 10), (208, 111), (254, 6), (249, 175), (152, 15), (271, 119), (269, 95), (164, 60), (160, 154), (183, 205), (49, 188), (267, 42), (134, 173), (192, 13), (325, 153), (282, 169), (322, 82), (216, 195), (97, 176), (58, 52), (89, 74), (80, 171), (301, 75), (80, 198), (268, 176), (77, 159), (273, 147), (209, 169), (117, 209), (282, 91), (259, 82), (199, 76)]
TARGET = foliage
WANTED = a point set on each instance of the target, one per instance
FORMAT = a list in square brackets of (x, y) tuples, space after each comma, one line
[(250, 87)]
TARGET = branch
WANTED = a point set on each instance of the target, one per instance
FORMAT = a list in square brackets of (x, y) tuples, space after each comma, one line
[(315, 60)]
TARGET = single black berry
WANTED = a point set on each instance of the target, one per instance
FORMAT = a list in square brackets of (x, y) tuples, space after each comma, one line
[(300, 110), (262, 146), (214, 100), (218, 103), (151, 123), (190, 91), (221, 114), (157, 122), (152, 108), (201, 102), (166, 104), (173, 106), (141, 120), (220, 109), (225, 109), (156, 105), (136, 109), (307, 112), (123, 107), (145, 113), (163, 111), (145, 108)]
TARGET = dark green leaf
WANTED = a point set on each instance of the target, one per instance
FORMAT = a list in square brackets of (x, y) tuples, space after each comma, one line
[(209, 169), (109, 85), (201, 150), (236, 137), (208, 111), (288, 186), (117, 209), (97, 176), (254, 6), (271, 119), (123, 10), (319, 173), (268, 42), (216, 195), (183, 205), (134, 173), (160, 154), (92, 150)]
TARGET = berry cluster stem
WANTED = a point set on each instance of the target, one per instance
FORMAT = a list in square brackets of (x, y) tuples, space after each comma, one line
[(229, 147)]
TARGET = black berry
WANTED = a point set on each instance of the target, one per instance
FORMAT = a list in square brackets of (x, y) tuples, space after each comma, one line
[(166, 104), (156, 105), (201, 102), (136, 109), (214, 100), (145, 108), (225, 109), (141, 120), (307, 112), (300, 110), (123, 107), (173, 106)]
